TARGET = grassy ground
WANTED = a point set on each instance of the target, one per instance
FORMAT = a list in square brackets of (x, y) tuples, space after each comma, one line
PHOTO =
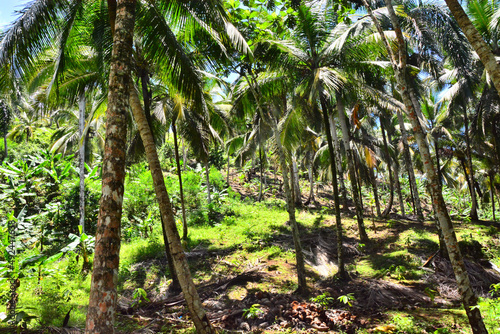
[(388, 290)]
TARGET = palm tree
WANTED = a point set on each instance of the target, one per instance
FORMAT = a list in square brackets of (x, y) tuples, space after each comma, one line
[(398, 61), (481, 46)]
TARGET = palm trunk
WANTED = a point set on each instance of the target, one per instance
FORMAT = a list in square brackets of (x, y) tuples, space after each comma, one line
[(311, 198), (174, 287), (179, 174), (387, 210), (473, 211), (438, 162), (375, 191), (191, 296), (333, 165), (338, 158), (81, 126), (363, 237), (296, 186), (409, 168), (468, 297), (480, 46), (103, 295), (299, 256)]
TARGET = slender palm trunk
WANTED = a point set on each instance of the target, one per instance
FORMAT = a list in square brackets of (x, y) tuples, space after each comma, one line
[(333, 165), (478, 43), (299, 256), (468, 297), (296, 187), (387, 210), (338, 159), (103, 295), (375, 192), (438, 162), (363, 237), (311, 198), (409, 167), (473, 211), (179, 174), (81, 126), (175, 286), (191, 296)]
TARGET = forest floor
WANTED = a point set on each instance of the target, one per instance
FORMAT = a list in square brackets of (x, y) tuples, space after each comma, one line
[(244, 268)]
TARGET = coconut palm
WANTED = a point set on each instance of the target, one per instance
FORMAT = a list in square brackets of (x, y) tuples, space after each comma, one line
[(399, 62)]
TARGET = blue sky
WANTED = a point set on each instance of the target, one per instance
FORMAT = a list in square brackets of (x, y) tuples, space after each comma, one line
[(7, 8)]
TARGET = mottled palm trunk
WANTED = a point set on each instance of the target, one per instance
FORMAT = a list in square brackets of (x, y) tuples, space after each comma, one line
[(81, 126), (478, 43), (473, 211), (336, 197), (179, 175), (299, 256), (398, 189), (5, 143), (352, 171), (375, 191), (409, 168), (438, 162), (311, 198), (399, 66), (103, 295), (388, 208), (297, 194), (272, 122), (338, 159), (191, 296), (228, 165)]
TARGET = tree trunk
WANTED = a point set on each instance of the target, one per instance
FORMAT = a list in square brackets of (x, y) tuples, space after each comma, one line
[(363, 237), (333, 165), (299, 256), (191, 296), (338, 159), (480, 46), (473, 211), (311, 198), (468, 297), (387, 210), (375, 191), (174, 287), (81, 126), (179, 174), (409, 167), (438, 162), (297, 194), (103, 295)]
